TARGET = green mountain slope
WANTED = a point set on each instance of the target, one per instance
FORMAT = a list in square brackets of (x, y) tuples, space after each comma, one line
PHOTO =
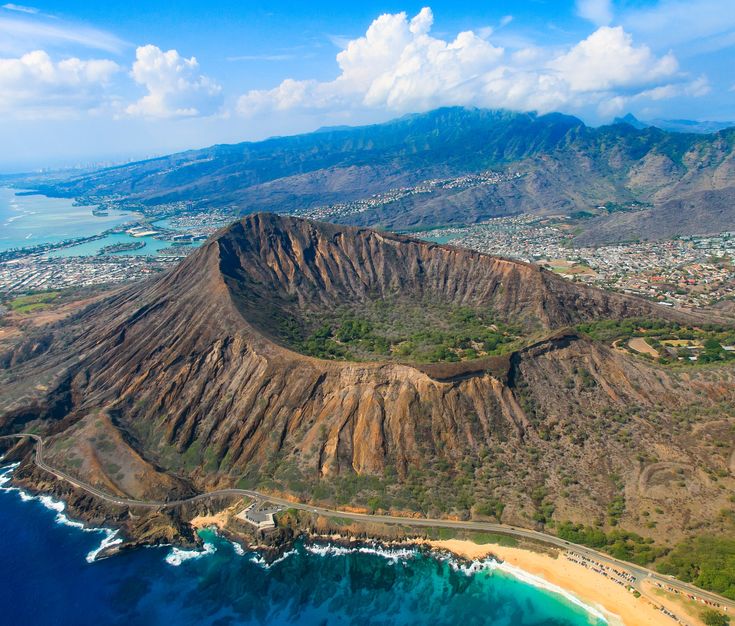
[(565, 166)]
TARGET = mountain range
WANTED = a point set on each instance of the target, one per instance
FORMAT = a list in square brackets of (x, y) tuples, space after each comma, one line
[(703, 127), (658, 183), (206, 377)]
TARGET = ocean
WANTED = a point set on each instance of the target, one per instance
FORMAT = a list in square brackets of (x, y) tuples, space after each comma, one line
[(46, 579), (32, 220)]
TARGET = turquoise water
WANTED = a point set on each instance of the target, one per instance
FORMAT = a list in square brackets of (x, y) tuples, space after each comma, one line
[(45, 579), (32, 220), (90, 248)]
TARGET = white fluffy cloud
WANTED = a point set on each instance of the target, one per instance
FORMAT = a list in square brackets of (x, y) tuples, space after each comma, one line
[(35, 85), (175, 87), (396, 64), (607, 60), (399, 66)]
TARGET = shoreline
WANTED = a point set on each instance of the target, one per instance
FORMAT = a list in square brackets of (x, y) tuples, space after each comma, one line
[(550, 568), (619, 606)]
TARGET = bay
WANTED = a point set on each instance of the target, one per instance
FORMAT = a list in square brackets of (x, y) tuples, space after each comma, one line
[(45, 579), (29, 220)]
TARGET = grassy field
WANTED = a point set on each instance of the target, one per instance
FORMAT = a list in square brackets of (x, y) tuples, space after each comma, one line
[(35, 302)]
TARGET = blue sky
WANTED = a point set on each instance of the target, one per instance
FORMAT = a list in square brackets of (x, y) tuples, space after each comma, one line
[(94, 81)]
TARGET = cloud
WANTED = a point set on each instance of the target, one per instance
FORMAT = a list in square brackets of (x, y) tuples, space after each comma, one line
[(599, 12), (505, 20), (695, 88), (175, 88), (34, 85), (20, 8), (607, 60), (339, 41), (399, 66), (24, 34), (673, 22)]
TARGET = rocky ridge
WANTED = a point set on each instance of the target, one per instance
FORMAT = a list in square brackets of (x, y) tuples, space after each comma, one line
[(181, 384)]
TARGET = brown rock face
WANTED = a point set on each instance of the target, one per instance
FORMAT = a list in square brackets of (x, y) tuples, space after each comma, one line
[(270, 261), (186, 371)]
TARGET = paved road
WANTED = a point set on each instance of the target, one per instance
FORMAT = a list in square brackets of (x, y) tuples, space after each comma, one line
[(640, 573)]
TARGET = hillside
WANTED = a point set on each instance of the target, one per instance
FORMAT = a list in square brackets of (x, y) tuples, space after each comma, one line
[(565, 167), (189, 381)]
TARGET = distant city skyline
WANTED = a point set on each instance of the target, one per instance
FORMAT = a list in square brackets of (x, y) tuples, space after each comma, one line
[(89, 82)]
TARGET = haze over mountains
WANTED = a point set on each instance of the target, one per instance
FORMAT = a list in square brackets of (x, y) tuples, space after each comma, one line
[(187, 382), (678, 126), (653, 183)]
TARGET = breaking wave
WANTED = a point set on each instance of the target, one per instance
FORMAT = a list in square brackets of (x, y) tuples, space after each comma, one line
[(50, 503), (177, 556), (393, 555)]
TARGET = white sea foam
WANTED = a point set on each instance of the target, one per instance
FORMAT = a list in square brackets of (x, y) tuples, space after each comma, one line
[(59, 507), (111, 539), (392, 554), (541, 583), (50, 503), (177, 556), (468, 568), (8, 469), (490, 564), (261, 562), (239, 550), (6, 475)]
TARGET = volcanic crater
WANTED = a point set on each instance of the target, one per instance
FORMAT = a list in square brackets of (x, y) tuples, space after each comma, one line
[(224, 372)]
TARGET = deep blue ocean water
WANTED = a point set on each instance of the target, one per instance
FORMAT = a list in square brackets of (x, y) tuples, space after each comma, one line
[(45, 579)]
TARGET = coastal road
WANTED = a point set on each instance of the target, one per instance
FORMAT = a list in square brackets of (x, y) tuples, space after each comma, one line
[(640, 573)]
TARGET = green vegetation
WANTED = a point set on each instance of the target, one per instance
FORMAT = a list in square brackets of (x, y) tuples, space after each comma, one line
[(425, 332), (480, 538), (714, 618), (708, 562), (35, 302), (674, 343), (615, 509), (490, 508), (621, 544), (617, 207), (437, 489), (496, 538)]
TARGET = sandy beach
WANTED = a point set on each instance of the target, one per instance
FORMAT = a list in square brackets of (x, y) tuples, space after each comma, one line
[(619, 606), (218, 520)]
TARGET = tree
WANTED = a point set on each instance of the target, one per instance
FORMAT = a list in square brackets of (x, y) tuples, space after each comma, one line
[(714, 618)]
